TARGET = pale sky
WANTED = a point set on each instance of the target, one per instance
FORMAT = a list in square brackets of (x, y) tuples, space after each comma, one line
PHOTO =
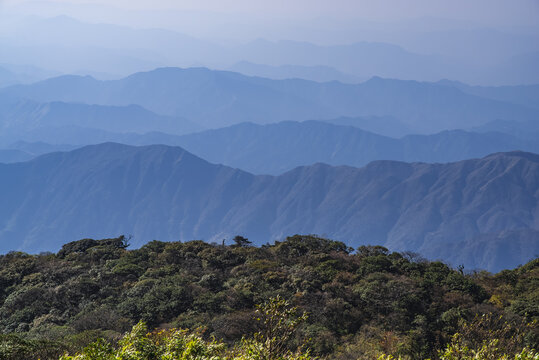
[(486, 12)]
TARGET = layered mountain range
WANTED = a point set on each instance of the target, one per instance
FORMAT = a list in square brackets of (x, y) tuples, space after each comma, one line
[(437, 191), (276, 148), (20, 116), (470, 53), (219, 98), (166, 193)]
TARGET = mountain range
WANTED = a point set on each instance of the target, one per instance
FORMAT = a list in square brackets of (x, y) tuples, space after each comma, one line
[(527, 95), (22, 116), (276, 148), (14, 155), (23, 151), (474, 55), (317, 73), (522, 129), (166, 193), (8, 78), (11, 74), (218, 98)]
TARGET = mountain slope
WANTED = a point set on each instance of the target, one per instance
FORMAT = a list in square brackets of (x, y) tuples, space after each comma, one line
[(7, 77), (39, 148), (382, 125), (110, 180), (363, 59), (522, 129), (13, 155), (317, 73), (527, 95), (502, 250), (160, 192), (220, 98), (11, 74), (25, 115), (275, 148)]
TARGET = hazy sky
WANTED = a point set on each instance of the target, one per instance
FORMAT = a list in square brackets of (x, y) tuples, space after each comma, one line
[(491, 12), (470, 40)]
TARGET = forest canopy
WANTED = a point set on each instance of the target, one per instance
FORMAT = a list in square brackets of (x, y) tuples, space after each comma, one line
[(363, 303)]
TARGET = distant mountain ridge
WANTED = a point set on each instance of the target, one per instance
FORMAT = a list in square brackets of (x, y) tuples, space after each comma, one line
[(20, 117), (276, 148), (522, 129), (14, 155), (160, 192), (40, 148), (23, 151), (219, 98), (128, 49), (527, 95), (381, 125), (314, 73), (22, 74)]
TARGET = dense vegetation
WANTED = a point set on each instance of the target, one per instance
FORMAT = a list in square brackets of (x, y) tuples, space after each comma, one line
[(341, 303)]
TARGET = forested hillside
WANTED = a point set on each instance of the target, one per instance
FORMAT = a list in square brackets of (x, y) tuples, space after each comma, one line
[(357, 304)]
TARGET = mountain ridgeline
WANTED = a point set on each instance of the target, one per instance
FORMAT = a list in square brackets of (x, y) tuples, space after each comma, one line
[(166, 193), (272, 148), (474, 55), (20, 118), (220, 98), (276, 148)]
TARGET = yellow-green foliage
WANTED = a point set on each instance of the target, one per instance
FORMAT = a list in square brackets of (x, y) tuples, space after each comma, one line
[(462, 347), (176, 344), (139, 344), (278, 318), (490, 350)]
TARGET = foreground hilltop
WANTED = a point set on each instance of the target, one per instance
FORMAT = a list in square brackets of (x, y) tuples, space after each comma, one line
[(160, 192), (358, 304)]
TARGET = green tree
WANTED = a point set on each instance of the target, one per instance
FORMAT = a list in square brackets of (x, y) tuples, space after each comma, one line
[(240, 241)]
